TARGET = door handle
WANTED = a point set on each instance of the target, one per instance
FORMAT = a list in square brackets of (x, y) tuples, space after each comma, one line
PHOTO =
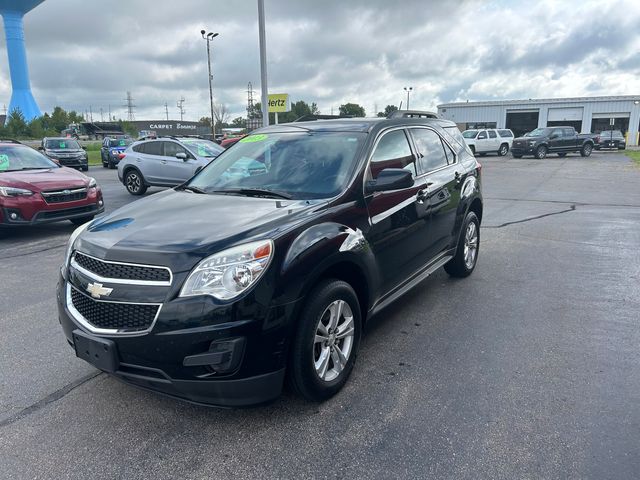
[(163, 162)]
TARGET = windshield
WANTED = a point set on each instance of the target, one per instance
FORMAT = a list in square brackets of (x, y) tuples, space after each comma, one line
[(538, 132), (203, 148), (22, 158), (120, 142), (63, 144), (470, 133), (301, 165)]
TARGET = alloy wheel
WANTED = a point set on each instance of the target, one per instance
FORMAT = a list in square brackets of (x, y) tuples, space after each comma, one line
[(470, 245), (133, 182), (333, 341)]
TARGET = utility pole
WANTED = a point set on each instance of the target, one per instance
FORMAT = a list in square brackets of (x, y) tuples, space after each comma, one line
[(130, 107), (208, 37), (166, 110), (181, 109), (263, 64)]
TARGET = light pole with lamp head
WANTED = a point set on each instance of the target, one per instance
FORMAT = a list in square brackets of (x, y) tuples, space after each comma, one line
[(208, 37), (408, 90)]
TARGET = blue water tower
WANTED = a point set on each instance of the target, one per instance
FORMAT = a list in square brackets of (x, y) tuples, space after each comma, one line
[(12, 12)]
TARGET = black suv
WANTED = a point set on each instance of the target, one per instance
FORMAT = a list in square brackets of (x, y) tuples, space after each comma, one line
[(269, 261), (65, 151)]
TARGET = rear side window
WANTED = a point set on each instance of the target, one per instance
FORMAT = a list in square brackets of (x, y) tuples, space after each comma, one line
[(492, 134), (505, 133), (568, 132), (151, 148), (432, 150), (392, 151)]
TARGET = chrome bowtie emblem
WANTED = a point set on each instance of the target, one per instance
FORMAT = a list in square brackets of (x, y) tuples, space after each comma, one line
[(97, 290)]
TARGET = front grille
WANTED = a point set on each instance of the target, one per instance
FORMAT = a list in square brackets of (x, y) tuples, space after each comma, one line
[(125, 317), (122, 271), (65, 195), (51, 214)]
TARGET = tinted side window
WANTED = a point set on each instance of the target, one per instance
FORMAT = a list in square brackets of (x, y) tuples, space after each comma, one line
[(138, 148), (567, 132), (153, 148), (430, 146), (556, 131), (172, 148), (492, 134), (392, 151), (505, 133), (482, 135)]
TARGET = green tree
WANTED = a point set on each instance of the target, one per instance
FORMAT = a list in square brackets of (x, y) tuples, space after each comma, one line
[(352, 109), (16, 124), (36, 128), (387, 110), (59, 119), (239, 122)]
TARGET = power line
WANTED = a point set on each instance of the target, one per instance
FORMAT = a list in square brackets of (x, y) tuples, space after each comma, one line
[(181, 109), (130, 106)]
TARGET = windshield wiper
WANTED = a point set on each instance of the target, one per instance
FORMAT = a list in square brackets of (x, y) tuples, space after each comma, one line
[(26, 168), (192, 189), (256, 192)]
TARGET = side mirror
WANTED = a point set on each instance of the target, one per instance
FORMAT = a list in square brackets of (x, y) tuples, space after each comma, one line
[(482, 137), (390, 179), (182, 156)]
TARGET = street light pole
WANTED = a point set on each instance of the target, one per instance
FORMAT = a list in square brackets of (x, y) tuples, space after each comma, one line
[(263, 64), (408, 90), (208, 37)]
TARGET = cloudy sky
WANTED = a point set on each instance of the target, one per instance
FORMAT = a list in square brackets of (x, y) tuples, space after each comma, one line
[(91, 52)]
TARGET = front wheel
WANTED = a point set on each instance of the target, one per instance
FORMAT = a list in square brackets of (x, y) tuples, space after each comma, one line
[(325, 346), (541, 152), (134, 182), (464, 261), (504, 148), (586, 150)]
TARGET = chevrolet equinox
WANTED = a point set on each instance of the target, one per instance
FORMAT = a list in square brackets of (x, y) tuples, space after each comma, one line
[(266, 265)]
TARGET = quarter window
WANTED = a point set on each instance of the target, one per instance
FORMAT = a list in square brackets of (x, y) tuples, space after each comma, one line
[(392, 151), (432, 150)]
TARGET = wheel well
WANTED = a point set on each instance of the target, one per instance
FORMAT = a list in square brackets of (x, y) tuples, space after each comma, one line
[(352, 274), (128, 169), (476, 207), (504, 143)]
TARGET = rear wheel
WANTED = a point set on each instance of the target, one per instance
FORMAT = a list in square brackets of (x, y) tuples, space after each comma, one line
[(464, 261), (541, 152), (586, 150), (81, 220), (504, 148), (134, 182), (326, 343), (473, 149)]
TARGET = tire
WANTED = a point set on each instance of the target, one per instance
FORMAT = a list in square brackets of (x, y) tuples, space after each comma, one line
[(516, 155), (305, 372), (85, 168), (541, 152), (465, 259), (81, 220), (504, 149), (111, 165), (105, 165), (134, 182), (586, 150), (473, 150), (563, 154)]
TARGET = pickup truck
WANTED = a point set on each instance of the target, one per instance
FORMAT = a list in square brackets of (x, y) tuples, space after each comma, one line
[(559, 140)]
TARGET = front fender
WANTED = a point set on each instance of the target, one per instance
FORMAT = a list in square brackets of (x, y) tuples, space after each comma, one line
[(321, 247)]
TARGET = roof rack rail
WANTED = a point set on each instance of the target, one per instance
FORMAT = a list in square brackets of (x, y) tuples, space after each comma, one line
[(412, 114), (10, 140), (307, 118)]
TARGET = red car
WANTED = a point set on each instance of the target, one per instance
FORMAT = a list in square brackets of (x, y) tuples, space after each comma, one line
[(35, 189)]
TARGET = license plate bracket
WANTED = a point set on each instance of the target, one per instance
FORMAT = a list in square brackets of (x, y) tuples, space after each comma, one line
[(100, 352)]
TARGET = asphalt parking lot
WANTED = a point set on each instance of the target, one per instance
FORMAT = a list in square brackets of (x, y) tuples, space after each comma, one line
[(527, 369)]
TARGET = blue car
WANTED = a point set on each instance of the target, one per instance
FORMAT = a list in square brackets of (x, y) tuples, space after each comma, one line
[(113, 149)]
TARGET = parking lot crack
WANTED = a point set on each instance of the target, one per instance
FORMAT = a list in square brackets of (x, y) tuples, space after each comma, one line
[(53, 397), (529, 219)]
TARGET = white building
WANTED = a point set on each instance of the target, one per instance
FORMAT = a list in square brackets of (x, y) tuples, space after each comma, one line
[(587, 114)]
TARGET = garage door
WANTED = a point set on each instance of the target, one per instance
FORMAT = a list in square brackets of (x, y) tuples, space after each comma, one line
[(564, 114)]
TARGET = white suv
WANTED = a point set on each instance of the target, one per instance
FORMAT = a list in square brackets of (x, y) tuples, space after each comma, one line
[(489, 140)]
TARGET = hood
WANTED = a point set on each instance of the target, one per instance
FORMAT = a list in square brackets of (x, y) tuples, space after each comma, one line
[(45, 179), (158, 229)]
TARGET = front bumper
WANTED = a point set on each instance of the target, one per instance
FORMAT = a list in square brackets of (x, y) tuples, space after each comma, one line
[(170, 358), (72, 162), (519, 150), (34, 210)]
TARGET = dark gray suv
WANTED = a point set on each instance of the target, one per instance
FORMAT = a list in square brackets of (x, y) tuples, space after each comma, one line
[(166, 162)]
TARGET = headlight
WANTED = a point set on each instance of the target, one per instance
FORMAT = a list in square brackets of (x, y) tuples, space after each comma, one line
[(92, 182), (225, 275), (14, 192), (72, 240)]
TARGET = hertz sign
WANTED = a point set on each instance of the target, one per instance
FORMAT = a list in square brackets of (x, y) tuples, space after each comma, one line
[(279, 102)]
